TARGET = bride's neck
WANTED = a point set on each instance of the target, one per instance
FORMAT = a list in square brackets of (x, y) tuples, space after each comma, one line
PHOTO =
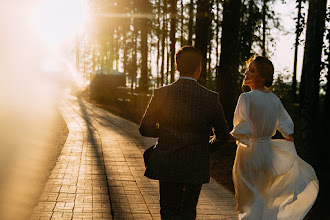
[(258, 87)]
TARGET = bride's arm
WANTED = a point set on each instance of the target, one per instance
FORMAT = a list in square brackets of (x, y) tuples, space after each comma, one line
[(243, 126)]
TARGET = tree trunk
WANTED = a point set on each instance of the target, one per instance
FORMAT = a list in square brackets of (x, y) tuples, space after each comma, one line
[(203, 21), (228, 69), (144, 56), (312, 55), (264, 15), (111, 48), (217, 31), (116, 54), (327, 88), (298, 32), (191, 21), (125, 51), (158, 42), (182, 24), (134, 57), (172, 36), (167, 52), (250, 27), (209, 59), (168, 56), (94, 64), (144, 27), (313, 137), (163, 33)]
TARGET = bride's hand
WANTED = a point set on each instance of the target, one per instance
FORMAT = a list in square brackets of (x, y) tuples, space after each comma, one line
[(289, 138)]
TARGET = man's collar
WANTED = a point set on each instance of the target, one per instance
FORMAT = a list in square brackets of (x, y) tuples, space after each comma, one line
[(187, 77)]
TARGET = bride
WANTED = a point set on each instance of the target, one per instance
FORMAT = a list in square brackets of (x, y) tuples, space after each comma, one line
[(271, 181)]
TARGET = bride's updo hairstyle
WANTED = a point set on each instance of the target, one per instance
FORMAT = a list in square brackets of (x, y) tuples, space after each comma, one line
[(265, 68)]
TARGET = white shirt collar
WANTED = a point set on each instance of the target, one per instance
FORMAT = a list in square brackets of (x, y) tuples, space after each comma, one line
[(187, 77)]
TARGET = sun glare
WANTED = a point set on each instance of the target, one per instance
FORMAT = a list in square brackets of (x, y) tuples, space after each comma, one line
[(57, 20)]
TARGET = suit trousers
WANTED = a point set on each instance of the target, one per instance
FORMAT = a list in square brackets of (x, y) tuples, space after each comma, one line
[(178, 201)]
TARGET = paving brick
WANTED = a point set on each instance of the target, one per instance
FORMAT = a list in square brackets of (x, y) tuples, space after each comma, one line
[(99, 174)]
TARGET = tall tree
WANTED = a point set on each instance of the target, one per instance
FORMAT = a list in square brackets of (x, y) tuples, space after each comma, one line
[(310, 85), (227, 74), (191, 22), (167, 44), (125, 48), (327, 87), (182, 23), (309, 93), (173, 19), (203, 22), (133, 65), (158, 33), (264, 24), (116, 48), (250, 28), (299, 28), (163, 33), (217, 30), (144, 27)]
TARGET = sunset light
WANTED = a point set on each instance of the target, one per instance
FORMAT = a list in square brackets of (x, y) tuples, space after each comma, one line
[(127, 109), (56, 20)]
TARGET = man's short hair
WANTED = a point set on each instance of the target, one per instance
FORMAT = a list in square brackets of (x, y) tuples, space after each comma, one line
[(187, 59)]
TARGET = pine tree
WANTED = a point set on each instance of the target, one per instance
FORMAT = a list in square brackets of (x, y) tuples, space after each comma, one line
[(173, 20), (299, 28), (203, 22), (229, 58)]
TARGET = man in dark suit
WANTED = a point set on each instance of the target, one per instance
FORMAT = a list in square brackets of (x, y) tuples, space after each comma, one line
[(182, 116)]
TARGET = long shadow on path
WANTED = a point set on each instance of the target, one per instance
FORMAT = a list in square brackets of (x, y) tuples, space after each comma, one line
[(96, 146)]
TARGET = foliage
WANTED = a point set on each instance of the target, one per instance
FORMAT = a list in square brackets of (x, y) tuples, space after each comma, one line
[(251, 36), (326, 55), (114, 37)]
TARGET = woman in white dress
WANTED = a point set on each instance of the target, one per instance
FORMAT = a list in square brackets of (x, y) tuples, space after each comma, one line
[(271, 181)]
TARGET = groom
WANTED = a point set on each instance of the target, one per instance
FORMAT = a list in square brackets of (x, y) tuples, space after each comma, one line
[(182, 116)]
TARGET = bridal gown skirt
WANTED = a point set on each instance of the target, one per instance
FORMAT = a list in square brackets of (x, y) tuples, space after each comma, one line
[(272, 181)]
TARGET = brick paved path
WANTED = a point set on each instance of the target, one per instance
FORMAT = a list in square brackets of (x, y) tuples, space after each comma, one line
[(99, 174)]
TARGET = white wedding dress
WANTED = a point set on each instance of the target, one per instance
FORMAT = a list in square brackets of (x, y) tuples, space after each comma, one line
[(271, 180)]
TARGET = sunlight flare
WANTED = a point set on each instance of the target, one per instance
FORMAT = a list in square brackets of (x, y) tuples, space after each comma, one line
[(57, 20)]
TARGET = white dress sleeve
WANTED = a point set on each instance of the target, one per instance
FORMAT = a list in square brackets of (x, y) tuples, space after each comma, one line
[(285, 124), (243, 127)]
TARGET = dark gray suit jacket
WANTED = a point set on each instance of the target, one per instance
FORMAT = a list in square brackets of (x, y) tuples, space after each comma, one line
[(182, 115)]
